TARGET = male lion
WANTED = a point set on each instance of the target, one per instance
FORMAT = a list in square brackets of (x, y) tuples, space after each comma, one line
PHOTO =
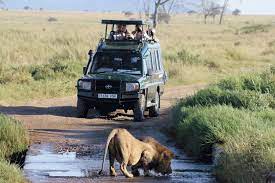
[(129, 151)]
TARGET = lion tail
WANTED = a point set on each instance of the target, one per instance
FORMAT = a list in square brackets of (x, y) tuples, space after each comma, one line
[(111, 135)]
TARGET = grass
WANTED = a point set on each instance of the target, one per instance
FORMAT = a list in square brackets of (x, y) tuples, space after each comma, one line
[(13, 143), (30, 46), (10, 173), (13, 137), (238, 114)]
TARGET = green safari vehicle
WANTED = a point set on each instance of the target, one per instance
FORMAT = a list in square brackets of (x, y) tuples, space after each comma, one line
[(122, 74)]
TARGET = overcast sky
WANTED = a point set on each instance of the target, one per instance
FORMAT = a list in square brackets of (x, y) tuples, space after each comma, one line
[(247, 6)]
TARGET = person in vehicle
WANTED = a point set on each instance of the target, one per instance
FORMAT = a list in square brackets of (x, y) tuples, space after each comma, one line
[(139, 34), (126, 34), (152, 34), (118, 34), (121, 33)]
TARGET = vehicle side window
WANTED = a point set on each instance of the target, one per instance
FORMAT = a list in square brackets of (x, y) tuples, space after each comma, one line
[(150, 61), (153, 59), (147, 59), (157, 60)]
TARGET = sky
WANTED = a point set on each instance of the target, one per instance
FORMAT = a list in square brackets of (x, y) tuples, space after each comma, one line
[(246, 6)]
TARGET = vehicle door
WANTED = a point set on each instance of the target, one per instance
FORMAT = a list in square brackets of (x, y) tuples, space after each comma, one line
[(148, 74), (154, 75)]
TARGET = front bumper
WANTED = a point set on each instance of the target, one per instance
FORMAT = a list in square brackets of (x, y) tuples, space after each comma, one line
[(127, 98)]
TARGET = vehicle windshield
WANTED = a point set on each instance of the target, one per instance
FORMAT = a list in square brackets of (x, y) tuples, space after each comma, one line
[(116, 62)]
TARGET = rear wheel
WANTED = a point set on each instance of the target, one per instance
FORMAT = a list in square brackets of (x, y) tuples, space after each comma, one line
[(139, 109), (154, 110), (82, 108)]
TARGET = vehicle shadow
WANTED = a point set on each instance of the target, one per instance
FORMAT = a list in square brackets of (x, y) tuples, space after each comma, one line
[(62, 111)]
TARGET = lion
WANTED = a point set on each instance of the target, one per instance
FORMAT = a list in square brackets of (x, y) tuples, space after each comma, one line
[(129, 151)]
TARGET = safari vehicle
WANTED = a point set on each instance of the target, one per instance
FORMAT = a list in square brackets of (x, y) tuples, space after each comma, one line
[(122, 74)]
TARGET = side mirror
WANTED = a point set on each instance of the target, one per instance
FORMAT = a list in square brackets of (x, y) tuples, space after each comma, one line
[(91, 52), (84, 70), (149, 72)]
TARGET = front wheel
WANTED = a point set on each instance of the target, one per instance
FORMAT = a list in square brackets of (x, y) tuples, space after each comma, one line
[(154, 110), (139, 109), (82, 108)]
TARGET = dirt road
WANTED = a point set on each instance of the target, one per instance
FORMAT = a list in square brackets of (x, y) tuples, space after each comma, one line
[(68, 149)]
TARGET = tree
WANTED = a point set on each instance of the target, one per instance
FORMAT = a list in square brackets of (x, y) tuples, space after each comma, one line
[(158, 4), (162, 10), (146, 8), (236, 12), (210, 8), (225, 4), (27, 8)]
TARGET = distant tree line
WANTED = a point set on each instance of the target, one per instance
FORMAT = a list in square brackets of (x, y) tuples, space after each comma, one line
[(163, 9)]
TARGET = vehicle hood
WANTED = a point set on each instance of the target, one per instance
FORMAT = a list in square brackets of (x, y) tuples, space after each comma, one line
[(113, 76)]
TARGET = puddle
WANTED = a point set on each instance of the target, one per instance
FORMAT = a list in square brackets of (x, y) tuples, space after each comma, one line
[(43, 164)]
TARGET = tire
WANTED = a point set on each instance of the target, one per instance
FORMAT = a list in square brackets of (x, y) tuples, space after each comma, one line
[(154, 110), (139, 109), (82, 108)]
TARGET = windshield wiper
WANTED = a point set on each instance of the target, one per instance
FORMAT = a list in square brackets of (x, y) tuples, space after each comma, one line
[(129, 72), (101, 72)]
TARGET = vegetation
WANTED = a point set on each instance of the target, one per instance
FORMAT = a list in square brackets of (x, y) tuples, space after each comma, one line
[(10, 173), (238, 114), (32, 47), (13, 144)]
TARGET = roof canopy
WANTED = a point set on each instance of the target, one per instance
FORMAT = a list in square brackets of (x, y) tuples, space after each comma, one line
[(123, 22)]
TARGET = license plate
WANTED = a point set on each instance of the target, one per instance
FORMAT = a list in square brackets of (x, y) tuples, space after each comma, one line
[(108, 96)]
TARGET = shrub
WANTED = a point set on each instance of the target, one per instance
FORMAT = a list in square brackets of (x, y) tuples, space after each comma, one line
[(52, 19), (10, 173), (13, 137), (19, 75), (254, 28), (42, 72), (246, 137), (233, 54), (263, 83), (188, 58), (238, 99), (237, 114)]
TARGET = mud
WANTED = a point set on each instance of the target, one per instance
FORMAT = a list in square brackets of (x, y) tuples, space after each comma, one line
[(45, 164)]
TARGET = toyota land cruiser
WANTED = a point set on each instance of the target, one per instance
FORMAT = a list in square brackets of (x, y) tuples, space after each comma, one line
[(122, 74)]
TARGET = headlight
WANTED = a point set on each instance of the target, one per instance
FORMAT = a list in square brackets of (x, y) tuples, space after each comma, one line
[(84, 85), (132, 87)]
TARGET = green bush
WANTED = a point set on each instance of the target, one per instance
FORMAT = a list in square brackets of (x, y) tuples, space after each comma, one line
[(41, 73), (18, 75), (263, 83), (246, 137), (185, 57), (238, 99), (238, 114), (13, 137), (10, 173), (254, 28)]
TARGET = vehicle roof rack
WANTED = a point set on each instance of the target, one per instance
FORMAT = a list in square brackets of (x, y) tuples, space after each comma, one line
[(123, 22)]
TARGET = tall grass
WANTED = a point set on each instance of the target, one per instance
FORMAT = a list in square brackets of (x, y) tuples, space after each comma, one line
[(238, 114), (13, 143), (193, 52), (13, 137), (10, 173)]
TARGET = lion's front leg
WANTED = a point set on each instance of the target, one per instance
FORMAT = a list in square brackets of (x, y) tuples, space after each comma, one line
[(123, 168)]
